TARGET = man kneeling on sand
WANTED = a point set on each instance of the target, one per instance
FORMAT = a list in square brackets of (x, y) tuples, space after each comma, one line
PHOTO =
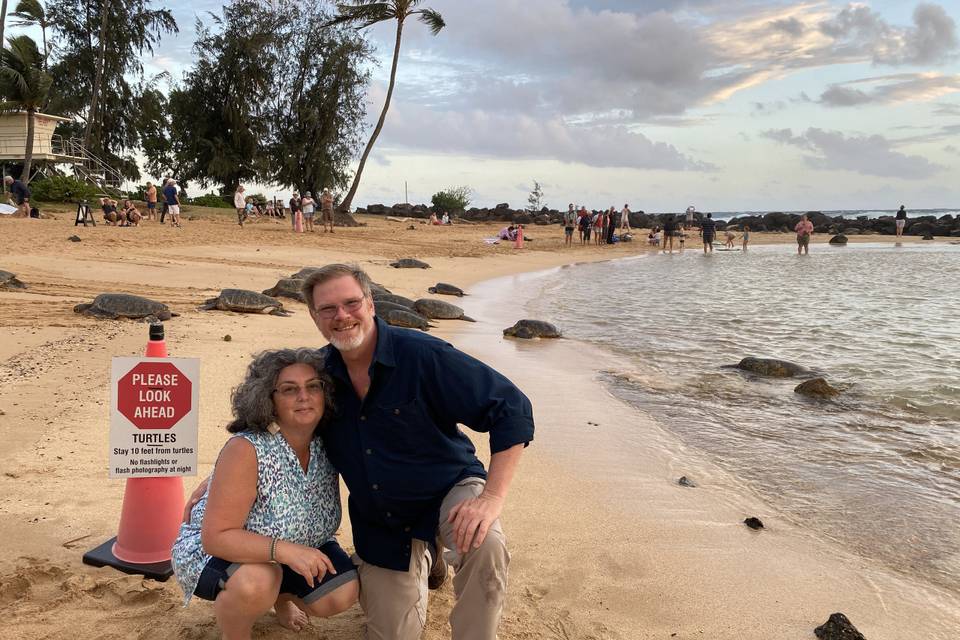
[(416, 485)]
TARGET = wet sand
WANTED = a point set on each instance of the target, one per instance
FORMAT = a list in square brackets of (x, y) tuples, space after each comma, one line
[(604, 546)]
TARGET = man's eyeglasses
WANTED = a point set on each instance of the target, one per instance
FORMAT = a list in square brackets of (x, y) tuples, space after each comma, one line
[(290, 390), (330, 311)]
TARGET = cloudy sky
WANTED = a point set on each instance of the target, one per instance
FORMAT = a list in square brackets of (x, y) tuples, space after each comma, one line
[(726, 104)]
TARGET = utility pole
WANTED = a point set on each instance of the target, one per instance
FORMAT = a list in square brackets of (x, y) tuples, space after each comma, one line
[(406, 195)]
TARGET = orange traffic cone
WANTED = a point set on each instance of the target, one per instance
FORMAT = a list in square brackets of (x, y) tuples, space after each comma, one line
[(150, 517), (518, 243)]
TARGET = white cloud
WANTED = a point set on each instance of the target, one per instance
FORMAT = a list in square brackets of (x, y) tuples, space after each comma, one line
[(866, 155), (892, 89)]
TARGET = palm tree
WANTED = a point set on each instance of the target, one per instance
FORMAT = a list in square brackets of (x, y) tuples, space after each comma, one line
[(23, 87), (366, 13), (31, 13), (3, 19)]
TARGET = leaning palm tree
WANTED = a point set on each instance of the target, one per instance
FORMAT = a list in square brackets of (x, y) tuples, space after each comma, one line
[(366, 13), (31, 13), (23, 87), (3, 19)]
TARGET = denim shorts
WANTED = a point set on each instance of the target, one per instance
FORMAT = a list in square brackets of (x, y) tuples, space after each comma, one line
[(217, 572)]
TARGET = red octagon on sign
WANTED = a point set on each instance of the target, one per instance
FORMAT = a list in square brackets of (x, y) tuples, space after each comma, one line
[(154, 395)]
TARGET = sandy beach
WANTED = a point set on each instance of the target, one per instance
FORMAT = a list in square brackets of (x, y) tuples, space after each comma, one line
[(604, 545)]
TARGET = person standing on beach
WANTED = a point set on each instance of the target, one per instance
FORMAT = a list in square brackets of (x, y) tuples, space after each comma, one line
[(901, 220), (326, 209), (309, 206), (240, 203), (611, 224), (708, 229), (569, 222), (669, 231), (165, 209), (584, 226), (804, 230), (151, 197), (172, 200), (625, 218), (746, 236), (294, 209)]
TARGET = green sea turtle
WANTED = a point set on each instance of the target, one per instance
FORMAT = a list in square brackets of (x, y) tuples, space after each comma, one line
[(394, 298), (439, 310), (287, 288), (303, 273), (111, 306), (442, 288), (382, 306), (771, 367), (409, 263), (9, 281), (532, 329), (408, 319), (244, 301)]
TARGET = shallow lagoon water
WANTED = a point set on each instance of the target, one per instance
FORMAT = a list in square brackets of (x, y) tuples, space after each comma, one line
[(877, 470)]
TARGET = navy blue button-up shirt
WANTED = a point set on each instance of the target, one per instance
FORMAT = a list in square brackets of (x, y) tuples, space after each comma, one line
[(400, 449)]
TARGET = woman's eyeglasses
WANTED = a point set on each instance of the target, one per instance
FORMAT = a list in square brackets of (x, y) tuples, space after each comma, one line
[(330, 311), (313, 388)]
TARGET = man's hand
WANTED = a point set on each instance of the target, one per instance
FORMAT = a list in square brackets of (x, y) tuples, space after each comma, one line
[(472, 519), (195, 498)]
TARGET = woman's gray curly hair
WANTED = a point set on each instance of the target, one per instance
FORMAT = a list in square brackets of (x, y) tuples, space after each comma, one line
[(252, 400)]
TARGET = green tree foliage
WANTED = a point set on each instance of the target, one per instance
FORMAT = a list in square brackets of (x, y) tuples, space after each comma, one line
[(212, 200), (452, 199), (272, 97), (62, 189), (366, 13), (23, 87), (30, 13), (104, 39), (535, 199)]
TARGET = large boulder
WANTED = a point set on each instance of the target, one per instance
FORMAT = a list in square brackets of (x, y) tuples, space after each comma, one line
[(838, 239), (816, 388), (838, 627), (777, 219), (771, 367)]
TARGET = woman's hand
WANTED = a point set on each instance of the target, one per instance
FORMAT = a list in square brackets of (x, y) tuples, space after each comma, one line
[(306, 561), (194, 499)]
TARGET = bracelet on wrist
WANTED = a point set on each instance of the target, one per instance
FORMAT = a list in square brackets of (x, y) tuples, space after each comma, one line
[(273, 551)]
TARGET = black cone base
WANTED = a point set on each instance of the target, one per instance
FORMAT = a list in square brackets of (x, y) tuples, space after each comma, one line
[(103, 556)]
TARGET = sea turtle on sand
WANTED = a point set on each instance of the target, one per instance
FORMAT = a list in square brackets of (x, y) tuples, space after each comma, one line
[(287, 288), (244, 301), (442, 288), (409, 263), (111, 306), (771, 367), (394, 298), (382, 306), (440, 310), (303, 273), (532, 329), (408, 319), (9, 281)]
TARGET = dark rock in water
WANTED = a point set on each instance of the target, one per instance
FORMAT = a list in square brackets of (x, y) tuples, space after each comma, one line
[(74, 238), (770, 367), (816, 388), (838, 627), (838, 239), (528, 329), (409, 263), (684, 481), (927, 237), (753, 523)]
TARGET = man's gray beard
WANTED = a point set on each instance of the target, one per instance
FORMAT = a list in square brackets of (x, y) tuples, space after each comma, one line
[(348, 344)]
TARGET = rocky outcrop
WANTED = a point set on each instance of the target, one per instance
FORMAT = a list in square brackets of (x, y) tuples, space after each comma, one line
[(838, 239), (816, 388), (838, 627)]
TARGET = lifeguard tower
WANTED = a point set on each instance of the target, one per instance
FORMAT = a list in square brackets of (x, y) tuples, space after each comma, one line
[(51, 149)]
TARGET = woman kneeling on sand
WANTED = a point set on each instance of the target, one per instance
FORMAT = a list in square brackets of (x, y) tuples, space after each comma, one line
[(262, 535)]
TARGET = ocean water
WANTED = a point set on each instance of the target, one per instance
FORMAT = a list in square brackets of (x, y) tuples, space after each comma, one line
[(877, 470), (847, 213)]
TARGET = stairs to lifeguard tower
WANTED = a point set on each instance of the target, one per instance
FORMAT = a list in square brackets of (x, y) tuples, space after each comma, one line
[(89, 167)]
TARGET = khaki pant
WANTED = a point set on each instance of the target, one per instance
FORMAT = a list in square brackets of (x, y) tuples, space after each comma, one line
[(395, 602)]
